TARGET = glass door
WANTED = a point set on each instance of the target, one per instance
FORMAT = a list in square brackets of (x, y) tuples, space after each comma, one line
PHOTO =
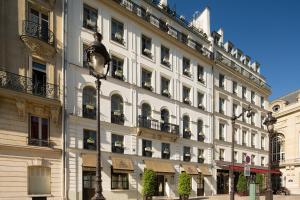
[(160, 185), (200, 185), (38, 24), (39, 79), (88, 178)]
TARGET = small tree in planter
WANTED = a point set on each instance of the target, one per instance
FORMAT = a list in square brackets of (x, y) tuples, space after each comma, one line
[(184, 186), (242, 185), (259, 179), (149, 182)]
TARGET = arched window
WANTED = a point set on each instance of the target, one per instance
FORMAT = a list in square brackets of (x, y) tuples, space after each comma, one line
[(186, 127), (146, 111), (117, 115), (164, 113), (89, 102), (278, 148), (200, 130)]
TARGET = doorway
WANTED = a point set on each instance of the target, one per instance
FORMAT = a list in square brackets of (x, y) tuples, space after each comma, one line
[(222, 181), (200, 185), (160, 185), (88, 178), (39, 79)]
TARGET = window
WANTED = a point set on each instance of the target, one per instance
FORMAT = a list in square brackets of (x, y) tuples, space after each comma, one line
[(244, 137), (276, 108), (234, 109), (39, 131), (252, 159), (221, 131), (145, 117), (117, 143), (252, 118), (165, 87), (262, 118), (165, 151), (90, 17), (89, 140), (119, 181), (221, 105), (200, 101), (222, 81), (165, 56), (39, 78), (221, 154), (200, 156), (243, 115), (262, 161), (165, 126), (89, 102), (146, 46), (186, 127), (89, 183), (38, 24), (147, 148), (146, 79), (200, 73), (117, 68), (253, 137), (186, 154), (253, 97), (236, 135), (39, 180), (186, 95), (244, 92), (117, 115), (201, 135), (234, 87), (262, 141), (117, 31), (85, 63), (262, 102), (278, 153), (186, 67), (244, 157), (235, 156)]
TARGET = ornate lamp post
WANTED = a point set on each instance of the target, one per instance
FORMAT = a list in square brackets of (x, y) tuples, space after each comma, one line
[(269, 122), (249, 112), (98, 60)]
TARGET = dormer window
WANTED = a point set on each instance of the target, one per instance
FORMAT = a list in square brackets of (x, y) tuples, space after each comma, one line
[(276, 108), (117, 31), (147, 46)]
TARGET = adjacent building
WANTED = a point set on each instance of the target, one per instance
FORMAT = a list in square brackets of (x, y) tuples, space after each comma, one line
[(237, 84), (31, 100), (286, 142)]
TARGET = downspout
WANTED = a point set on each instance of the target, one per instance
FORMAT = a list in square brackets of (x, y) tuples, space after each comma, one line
[(64, 117), (213, 120)]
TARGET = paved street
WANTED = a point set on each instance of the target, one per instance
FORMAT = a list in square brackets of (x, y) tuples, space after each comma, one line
[(276, 197)]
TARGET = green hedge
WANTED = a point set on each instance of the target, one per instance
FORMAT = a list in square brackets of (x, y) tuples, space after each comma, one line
[(184, 184), (259, 179), (242, 184), (149, 183)]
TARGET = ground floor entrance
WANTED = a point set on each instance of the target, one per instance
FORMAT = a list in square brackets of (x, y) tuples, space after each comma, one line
[(160, 185), (88, 177), (222, 181), (200, 184)]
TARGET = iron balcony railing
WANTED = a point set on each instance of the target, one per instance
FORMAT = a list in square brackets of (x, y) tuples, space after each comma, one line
[(146, 122), (36, 30), (38, 142), (27, 85)]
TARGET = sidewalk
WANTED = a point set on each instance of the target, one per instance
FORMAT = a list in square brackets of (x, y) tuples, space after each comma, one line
[(275, 197)]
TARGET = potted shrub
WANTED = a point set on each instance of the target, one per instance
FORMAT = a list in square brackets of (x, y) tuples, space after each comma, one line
[(242, 185), (259, 179), (149, 182), (184, 186)]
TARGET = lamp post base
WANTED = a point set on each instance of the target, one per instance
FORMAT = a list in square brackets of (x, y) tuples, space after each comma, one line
[(269, 194), (98, 197)]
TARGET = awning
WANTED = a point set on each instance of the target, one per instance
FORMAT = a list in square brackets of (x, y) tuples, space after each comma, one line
[(203, 169), (122, 164), (159, 166), (89, 160), (190, 169), (253, 169)]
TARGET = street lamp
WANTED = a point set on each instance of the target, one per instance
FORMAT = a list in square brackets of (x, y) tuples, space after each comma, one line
[(250, 113), (269, 122), (98, 61)]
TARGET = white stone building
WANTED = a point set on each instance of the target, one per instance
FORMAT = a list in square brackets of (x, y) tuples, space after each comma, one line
[(156, 104)]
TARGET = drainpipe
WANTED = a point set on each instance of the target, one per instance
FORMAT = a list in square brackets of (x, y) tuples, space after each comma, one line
[(213, 122)]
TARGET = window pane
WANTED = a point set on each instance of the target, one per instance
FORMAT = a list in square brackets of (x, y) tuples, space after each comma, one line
[(45, 129), (34, 127), (89, 139)]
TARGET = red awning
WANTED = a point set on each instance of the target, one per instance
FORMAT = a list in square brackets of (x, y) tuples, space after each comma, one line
[(252, 169)]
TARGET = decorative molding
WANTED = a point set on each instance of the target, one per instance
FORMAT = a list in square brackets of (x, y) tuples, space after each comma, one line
[(54, 114), (21, 107)]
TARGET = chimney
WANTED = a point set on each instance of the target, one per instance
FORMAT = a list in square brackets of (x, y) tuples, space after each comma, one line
[(202, 21), (221, 32)]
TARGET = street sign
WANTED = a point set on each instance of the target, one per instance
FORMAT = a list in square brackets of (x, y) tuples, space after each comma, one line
[(247, 170), (248, 159)]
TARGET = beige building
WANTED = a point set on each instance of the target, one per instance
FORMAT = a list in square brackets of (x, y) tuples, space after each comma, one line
[(30, 99), (286, 145)]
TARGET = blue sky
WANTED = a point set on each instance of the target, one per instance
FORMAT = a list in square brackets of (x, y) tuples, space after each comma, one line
[(266, 30)]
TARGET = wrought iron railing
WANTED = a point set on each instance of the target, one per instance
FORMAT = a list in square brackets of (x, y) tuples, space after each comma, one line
[(27, 85), (117, 118), (34, 29), (38, 142), (146, 122)]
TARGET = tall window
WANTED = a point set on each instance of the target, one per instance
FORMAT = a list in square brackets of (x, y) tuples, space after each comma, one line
[(89, 140), (244, 92), (234, 87), (117, 143), (146, 79), (84, 56), (262, 141), (165, 87), (278, 153), (221, 131), (186, 127), (39, 180), (262, 161), (243, 116), (201, 136), (236, 135), (201, 100), (117, 68), (90, 16), (119, 181), (200, 156), (165, 150), (186, 95), (200, 73), (39, 79), (186, 154), (89, 102), (221, 81), (186, 66), (147, 46), (253, 139), (253, 97), (221, 105), (235, 156), (147, 148), (146, 111), (165, 126), (244, 157), (38, 18), (117, 114), (117, 31), (252, 159), (221, 154), (234, 109), (39, 131), (262, 102), (89, 178), (165, 56), (252, 118), (244, 137)]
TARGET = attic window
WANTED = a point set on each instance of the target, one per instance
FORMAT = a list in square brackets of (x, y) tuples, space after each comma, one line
[(276, 108)]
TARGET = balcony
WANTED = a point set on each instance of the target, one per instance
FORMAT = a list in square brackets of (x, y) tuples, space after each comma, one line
[(117, 117), (40, 40), (24, 84), (38, 142), (152, 128)]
